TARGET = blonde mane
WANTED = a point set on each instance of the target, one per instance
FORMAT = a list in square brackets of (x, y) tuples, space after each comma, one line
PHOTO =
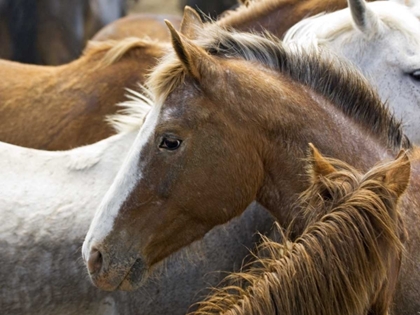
[(333, 78), (335, 267), (324, 28)]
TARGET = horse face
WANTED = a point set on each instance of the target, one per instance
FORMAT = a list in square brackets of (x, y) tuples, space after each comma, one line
[(164, 196)]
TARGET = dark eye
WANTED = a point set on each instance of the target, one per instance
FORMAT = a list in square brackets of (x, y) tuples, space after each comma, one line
[(415, 75), (170, 144)]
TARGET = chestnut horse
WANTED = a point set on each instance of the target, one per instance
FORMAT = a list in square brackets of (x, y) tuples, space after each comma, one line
[(43, 223), (138, 25), (233, 116), (353, 240), (59, 108), (383, 40)]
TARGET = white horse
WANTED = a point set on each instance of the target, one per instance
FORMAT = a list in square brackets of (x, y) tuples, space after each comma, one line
[(383, 40), (48, 200)]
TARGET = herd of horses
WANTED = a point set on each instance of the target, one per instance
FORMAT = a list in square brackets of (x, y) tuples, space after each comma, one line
[(226, 130)]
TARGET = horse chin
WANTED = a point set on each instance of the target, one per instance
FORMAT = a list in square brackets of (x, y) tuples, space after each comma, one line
[(124, 278), (135, 278)]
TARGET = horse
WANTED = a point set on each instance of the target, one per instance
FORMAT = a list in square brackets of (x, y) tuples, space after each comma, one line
[(138, 25), (352, 239), (63, 107), (233, 115), (50, 32), (389, 32), (44, 198)]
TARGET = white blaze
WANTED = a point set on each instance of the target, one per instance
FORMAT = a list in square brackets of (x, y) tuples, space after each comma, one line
[(124, 183)]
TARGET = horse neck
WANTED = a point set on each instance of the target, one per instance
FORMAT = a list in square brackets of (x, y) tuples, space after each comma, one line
[(284, 154), (265, 15), (22, 76)]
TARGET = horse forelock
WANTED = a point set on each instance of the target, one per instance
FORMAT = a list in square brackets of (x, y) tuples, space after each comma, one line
[(291, 278), (133, 112), (324, 72)]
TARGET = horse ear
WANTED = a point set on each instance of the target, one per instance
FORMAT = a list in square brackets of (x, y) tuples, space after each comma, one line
[(364, 18), (397, 177), (320, 166), (191, 23), (191, 56)]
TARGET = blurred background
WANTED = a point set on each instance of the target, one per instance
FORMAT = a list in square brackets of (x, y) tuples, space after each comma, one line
[(54, 32), (157, 6)]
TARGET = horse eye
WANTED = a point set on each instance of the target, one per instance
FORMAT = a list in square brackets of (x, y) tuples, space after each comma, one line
[(415, 75), (170, 144)]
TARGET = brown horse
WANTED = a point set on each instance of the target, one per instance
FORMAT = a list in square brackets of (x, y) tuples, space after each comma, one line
[(352, 240), (234, 113), (58, 108), (138, 25)]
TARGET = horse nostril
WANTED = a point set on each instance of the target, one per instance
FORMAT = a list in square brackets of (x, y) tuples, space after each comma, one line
[(94, 262)]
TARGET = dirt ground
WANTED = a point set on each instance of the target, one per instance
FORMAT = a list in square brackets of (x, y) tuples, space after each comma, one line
[(156, 6)]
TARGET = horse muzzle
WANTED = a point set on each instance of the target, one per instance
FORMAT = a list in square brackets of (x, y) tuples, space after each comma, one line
[(114, 271)]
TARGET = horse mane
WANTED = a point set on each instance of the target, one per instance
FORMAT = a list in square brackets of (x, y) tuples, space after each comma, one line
[(323, 28), (114, 50), (133, 112), (325, 73), (335, 267)]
